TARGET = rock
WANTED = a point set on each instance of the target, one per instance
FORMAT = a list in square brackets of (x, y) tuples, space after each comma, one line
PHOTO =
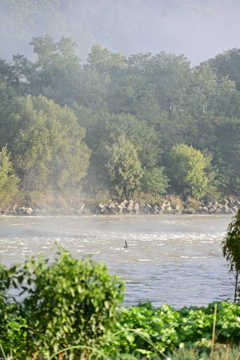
[(208, 203), (136, 207), (189, 210), (129, 205), (225, 209), (126, 211), (101, 206), (123, 203), (80, 208), (237, 204), (112, 210), (93, 208), (231, 204), (104, 212), (177, 212), (29, 211), (118, 209), (143, 210), (229, 211), (212, 210)]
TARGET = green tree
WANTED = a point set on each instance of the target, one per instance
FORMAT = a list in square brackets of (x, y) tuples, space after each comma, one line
[(46, 143), (227, 64), (231, 251), (8, 180), (154, 181), (104, 129), (56, 71), (227, 155), (124, 168), (187, 171), (103, 60)]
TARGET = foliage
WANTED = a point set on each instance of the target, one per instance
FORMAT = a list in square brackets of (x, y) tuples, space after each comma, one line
[(227, 64), (231, 250), (156, 101), (145, 329), (66, 302), (124, 168), (187, 171), (46, 144), (71, 307), (154, 181), (227, 154), (8, 180)]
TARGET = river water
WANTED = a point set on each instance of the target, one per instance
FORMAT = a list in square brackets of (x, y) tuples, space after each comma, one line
[(171, 259)]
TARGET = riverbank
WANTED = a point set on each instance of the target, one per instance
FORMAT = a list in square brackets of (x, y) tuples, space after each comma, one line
[(131, 207)]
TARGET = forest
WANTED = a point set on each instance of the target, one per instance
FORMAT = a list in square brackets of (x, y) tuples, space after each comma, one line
[(117, 125)]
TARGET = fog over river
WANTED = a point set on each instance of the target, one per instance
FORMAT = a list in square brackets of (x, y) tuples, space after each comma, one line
[(171, 259)]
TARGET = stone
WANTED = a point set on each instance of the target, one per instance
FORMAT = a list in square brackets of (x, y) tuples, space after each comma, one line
[(126, 211), (136, 207), (212, 210), (104, 212), (177, 212), (237, 204), (189, 210), (129, 205), (29, 211)]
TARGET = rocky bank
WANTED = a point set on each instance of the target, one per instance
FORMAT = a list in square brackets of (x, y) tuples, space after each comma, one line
[(226, 206)]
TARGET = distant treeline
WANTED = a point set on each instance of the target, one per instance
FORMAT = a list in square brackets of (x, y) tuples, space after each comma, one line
[(146, 124)]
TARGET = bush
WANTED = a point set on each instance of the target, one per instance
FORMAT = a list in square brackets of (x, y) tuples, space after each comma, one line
[(70, 302)]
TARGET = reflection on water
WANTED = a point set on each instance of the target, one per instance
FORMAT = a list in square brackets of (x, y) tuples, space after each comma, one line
[(171, 259)]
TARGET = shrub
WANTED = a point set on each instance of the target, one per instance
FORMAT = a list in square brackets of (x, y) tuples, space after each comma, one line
[(69, 302)]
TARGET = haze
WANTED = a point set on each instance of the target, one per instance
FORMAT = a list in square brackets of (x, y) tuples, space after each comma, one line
[(198, 29)]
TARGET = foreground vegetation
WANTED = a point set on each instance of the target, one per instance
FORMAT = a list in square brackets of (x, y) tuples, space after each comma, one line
[(70, 307)]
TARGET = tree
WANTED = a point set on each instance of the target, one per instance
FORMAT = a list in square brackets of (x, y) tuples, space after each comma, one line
[(103, 60), (124, 168), (8, 180), (56, 71), (104, 129), (154, 180), (227, 155), (227, 64), (46, 143), (186, 171), (231, 251)]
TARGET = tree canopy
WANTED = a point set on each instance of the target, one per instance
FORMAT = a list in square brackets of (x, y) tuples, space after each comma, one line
[(178, 124), (46, 144)]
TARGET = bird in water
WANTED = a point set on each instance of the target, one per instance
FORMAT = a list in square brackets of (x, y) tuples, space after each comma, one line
[(126, 245)]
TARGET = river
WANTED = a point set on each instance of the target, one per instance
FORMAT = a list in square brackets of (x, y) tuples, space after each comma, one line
[(171, 259)]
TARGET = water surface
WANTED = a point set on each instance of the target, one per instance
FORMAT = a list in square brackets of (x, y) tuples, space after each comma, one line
[(171, 259)]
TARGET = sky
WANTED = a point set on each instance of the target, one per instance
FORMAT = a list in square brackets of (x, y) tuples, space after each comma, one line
[(198, 29)]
